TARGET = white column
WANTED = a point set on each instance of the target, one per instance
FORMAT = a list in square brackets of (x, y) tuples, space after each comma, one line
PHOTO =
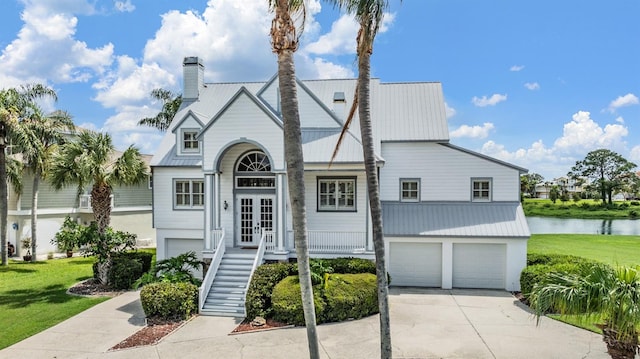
[(447, 264), (208, 211), (281, 204), (216, 200)]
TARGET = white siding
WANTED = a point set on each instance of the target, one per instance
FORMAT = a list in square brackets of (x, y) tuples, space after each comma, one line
[(243, 121), (445, 173), (165, 217), (336, 221)]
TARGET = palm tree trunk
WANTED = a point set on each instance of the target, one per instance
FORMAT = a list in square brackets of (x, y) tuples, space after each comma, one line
[(34, 215), (3, 198), (295, 180), (101, 205), (619, 348), (364, 112)]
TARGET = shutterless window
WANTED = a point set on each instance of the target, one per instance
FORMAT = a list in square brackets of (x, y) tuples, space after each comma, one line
[(189, 193), (409, 190), (336, 194), (481, 190), (189, 141)]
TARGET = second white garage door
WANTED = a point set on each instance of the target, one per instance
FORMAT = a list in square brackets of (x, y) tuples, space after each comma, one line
[(479, 265), (415, 264)]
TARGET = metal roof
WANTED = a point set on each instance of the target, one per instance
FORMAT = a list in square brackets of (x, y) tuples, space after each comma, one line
[(318, 146), (172, 160), (441, 219)]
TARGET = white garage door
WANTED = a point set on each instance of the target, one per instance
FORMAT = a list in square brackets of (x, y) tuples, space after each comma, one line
[(479, 265), (177, 246), (415, 264)]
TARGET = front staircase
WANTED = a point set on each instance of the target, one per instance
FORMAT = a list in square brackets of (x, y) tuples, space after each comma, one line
[(226, 296)]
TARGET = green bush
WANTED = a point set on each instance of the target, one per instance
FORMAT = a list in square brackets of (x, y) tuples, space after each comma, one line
[(350, 296), (540, 265), (145, 258), (633, 213), (286, 302), (265, 277), (169, 301), (634, 203), (352, 265), (124, 271), (174, 270)]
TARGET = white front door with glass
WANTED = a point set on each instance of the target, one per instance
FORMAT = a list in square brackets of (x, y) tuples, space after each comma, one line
[(255, 214)]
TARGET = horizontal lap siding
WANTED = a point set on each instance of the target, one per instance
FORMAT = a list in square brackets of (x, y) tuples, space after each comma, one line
[(445, 173), (164, 214), (132, 196), (47, 196)]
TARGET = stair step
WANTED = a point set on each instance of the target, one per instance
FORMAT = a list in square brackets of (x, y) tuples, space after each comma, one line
[(242, 262), (234, 267), (227, 296), (230, 285), (223, 312), (223, 303), (234, 272)]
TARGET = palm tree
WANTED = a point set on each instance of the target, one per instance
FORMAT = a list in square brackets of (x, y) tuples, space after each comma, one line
[(15, 104), (90, 160), (285, 34), (369, 14), (170, 105), (612, 295), (35, 139)]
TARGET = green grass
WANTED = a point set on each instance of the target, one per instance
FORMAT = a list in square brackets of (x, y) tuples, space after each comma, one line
[(33, 296), (614, 250), (586, 209)]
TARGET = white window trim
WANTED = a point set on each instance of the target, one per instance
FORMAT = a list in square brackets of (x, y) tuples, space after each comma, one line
[(482, 179), (181, 142), (190, 194), (410, 180), (337, 207)]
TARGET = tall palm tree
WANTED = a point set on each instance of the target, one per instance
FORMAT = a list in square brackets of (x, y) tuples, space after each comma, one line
[(36, 138), (286, 29), (170, 105), (369, 14), (612, 295), (15, 104), (90, 160)]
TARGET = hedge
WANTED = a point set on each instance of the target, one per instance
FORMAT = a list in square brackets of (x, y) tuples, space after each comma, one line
[(169, 301), (286, 302)]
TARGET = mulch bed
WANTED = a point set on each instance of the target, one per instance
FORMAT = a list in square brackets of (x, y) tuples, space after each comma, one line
[(270, 324), (149, 335)]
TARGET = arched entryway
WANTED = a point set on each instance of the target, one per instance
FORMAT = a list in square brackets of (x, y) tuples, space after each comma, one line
[(255, 194)]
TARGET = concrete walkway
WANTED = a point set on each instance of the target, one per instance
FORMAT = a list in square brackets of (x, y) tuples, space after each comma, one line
[(425, 323)]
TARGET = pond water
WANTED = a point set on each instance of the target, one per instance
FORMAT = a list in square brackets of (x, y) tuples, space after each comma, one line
[(543, 225)]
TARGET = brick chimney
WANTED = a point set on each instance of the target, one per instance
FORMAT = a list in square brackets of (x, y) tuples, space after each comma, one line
[(193, 77)]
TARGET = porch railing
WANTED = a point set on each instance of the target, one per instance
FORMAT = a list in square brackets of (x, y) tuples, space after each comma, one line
[(213, 269), (217, 236), (269, 241), (334, 241)]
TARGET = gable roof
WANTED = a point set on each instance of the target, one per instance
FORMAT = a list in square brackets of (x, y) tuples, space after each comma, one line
[(485, 157), (446, 219)]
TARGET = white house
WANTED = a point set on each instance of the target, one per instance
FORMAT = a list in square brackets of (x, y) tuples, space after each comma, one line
[(452, 217)]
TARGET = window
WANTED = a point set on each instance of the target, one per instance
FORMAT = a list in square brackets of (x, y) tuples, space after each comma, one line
[(336, 194), (253, 170), (189, 193), (409, 190), (481, 190), (150, 181), (190, 141)]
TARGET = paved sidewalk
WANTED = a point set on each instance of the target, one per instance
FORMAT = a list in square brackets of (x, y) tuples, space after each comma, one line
[(426, 323)]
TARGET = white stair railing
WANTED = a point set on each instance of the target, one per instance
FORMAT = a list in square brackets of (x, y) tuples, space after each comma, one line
[(258, 260), (212, 271)]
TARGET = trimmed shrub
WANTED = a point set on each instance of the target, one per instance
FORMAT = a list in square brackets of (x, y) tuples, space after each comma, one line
[(286, 302), (634, 203), (145, 258), (169, 301), (352, 265), (124, 271), (633, 213), (265, 277), (350, 296)]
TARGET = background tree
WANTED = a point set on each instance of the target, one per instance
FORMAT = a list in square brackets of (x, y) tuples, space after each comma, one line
[(15, 104), (35, 139), (91, 160), (607, 170), (286, 29), (554, 193), (369, 15), (612, 294), (170, 105), (528, 183)]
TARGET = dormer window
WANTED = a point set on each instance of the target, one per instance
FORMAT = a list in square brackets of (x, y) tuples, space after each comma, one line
[(190, 141)]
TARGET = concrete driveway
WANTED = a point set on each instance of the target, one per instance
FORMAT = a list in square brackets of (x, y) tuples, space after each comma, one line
[(425, 323)]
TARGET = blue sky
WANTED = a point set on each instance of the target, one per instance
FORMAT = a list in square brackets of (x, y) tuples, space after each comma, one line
[(538, 84)]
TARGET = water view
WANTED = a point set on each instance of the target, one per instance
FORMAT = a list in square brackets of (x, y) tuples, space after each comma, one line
[(546, 225)]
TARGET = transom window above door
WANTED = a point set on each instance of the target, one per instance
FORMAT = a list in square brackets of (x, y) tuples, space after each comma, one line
[(253, 170)]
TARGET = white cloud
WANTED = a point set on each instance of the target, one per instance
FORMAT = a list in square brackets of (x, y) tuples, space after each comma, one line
[(491, 101), (532, 86), (619, 119), (472, 131), (634, 155), (584, 134), (449, 111), (124, 6), (516, 68), (623, 101)]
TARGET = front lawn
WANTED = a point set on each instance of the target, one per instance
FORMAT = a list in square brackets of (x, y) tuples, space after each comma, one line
[(611, 249), (33, 296)]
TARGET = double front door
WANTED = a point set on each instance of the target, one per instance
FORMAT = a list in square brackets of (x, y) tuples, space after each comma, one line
[(254, 214)]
